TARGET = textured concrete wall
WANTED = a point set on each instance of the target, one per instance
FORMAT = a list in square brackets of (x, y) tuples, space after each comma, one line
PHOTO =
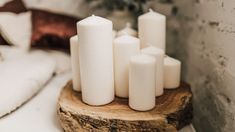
[(207, 48), (201, 33)]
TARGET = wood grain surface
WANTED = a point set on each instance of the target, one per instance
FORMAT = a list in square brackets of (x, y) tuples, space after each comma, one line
[(173, 111)]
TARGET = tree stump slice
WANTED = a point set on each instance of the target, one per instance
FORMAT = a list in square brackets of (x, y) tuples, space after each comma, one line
[(173, 111)]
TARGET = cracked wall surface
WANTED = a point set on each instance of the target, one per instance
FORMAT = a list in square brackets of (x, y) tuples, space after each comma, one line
[(201, 33)]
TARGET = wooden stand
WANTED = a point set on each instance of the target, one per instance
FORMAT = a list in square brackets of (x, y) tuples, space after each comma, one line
[(173, 111)]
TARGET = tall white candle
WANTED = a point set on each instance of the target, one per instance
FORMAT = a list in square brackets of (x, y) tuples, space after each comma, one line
[(127, 30), (96, 60), (74, 50), (152, 29), (142, 82), (159, 55), (172, 71), (124, 47)]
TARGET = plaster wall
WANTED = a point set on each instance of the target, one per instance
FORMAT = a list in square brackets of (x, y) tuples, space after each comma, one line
[(201, 33)]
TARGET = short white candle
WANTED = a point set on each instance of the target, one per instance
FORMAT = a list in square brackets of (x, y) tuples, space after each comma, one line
[(74, 51), (152, 29), (96, 60), (172, 69), (142, 82), (127, 30), (124, 47), (159, 55)]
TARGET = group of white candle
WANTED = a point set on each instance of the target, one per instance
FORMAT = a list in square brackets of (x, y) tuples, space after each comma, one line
[(104, 65)]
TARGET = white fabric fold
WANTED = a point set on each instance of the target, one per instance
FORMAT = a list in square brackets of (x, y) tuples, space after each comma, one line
[(39, 114), (23, 77), (11, 52), (62, 60)]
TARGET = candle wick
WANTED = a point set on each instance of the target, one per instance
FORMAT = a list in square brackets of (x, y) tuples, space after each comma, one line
[(150, 10)]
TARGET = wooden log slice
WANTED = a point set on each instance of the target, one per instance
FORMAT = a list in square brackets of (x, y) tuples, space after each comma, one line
[(173, 111)]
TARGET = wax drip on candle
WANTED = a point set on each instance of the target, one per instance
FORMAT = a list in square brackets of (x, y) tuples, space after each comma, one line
[(92, 15), (150, 10)]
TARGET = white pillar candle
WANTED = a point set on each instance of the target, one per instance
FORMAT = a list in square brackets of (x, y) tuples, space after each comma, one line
[(127, 30), (124, 47), (142, 82), (152, 29), (159, 55), (96, 60), (172, 69), (74, 51)]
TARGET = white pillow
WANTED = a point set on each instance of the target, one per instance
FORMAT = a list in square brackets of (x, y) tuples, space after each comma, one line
[(16, 28)]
